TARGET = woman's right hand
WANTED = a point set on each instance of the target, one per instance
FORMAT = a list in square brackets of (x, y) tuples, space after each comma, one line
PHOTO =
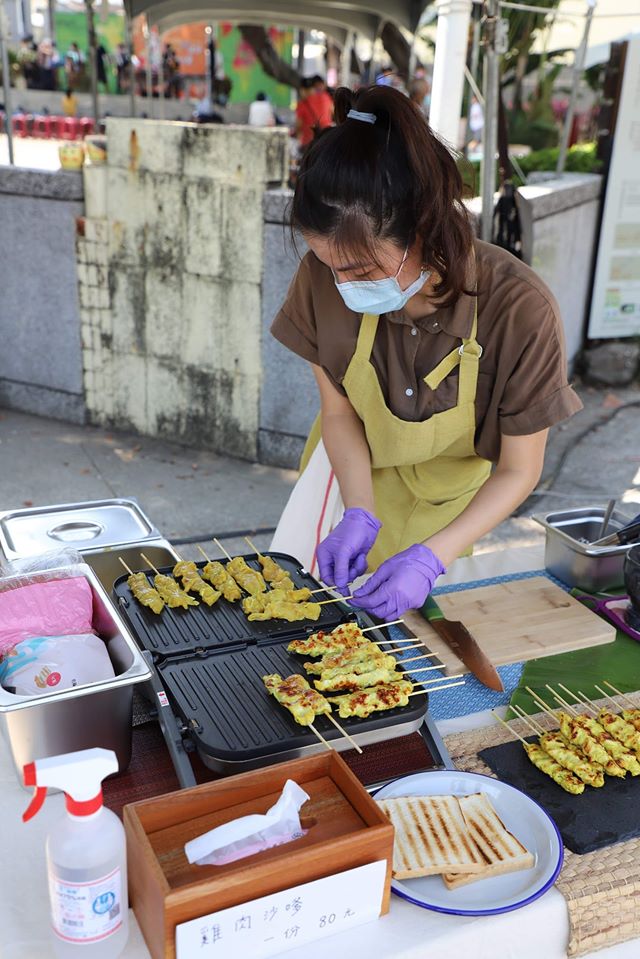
[(342, 556)]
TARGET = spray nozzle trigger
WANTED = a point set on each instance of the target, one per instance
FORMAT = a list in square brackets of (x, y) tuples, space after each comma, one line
[(38, 797)]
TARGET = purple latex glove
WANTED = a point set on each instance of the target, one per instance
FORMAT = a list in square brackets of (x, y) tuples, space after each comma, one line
[(342, 556), (402, 582)]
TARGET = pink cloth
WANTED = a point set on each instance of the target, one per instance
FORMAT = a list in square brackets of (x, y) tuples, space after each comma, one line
[(55, 608)]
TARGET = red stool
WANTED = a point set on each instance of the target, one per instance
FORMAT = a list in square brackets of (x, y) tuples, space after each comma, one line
[(43, 127), (70, 128), (19, 124), (86, 126)]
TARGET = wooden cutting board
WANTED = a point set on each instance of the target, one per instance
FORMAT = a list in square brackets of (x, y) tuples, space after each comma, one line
[(516, 621)]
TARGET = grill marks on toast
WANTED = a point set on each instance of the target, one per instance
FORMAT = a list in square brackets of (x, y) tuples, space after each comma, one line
[(462, 838), (431, 837), (500, 849)]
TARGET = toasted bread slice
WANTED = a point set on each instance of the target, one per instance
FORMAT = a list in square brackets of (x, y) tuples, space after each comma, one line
[(431, 837), (501, 851)]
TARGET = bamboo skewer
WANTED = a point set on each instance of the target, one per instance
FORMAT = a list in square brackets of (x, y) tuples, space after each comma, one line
[(520, 713), (413, 659), (393, 622), (344, 732), (563, 702), (223, 551), (507, 726), (204, 554), (253, 546), (338, 599), (130, 571), (435, 689), (618, 692), (150, 564), (320, 736), (540, 701), (587, 703), (606, 695), (584, 703)]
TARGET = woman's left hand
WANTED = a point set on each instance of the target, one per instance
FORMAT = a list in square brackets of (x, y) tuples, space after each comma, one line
[(402, 582)]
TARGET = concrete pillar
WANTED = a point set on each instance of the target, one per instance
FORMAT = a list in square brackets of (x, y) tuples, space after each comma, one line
[(448, 68)]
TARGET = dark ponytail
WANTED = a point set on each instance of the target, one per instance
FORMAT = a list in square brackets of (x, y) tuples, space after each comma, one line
[(361, 182)]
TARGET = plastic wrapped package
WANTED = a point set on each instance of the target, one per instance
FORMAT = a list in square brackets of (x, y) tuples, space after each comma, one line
[(251, 834), (57, 607), (42, 664), (53, 559)]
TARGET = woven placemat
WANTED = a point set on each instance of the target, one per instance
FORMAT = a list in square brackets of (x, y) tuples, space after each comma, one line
[(601, 888)]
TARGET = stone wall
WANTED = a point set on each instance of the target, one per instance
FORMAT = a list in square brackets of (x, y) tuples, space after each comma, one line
[(170, 278), (40, 358)]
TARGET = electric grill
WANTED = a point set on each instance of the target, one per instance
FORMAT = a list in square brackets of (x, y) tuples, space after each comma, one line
[(210, 662)]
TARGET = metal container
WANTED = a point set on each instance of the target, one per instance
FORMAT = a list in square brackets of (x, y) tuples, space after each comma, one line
[(101, 530), (569, 556), (95, 714)]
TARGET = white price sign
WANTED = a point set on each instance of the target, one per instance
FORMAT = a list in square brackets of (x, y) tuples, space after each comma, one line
[(273, 924)]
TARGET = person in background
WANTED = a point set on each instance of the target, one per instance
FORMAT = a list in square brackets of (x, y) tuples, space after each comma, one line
[(261, 112), (27, 58), (314, 111), (385, 77), (69, 103), (476, 123), (102, 61), (203, 111), (123, 69), (419, 94), (171, 68)]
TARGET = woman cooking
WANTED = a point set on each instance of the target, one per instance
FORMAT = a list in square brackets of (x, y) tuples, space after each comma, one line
[(439, 359)]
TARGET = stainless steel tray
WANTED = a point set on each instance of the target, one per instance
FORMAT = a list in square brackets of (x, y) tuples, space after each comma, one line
[(569, 555), (94, 714), (93, 525)]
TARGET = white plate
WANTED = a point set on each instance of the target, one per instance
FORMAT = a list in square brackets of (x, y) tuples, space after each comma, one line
[(521, 815)]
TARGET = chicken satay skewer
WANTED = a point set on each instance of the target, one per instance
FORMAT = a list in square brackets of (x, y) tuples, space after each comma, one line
[(619, 692), (565, 753), (174, 595), (142, 590), (623, 755)]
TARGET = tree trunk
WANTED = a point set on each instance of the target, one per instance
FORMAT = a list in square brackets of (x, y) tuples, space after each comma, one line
[(272, 64), (398, 49)]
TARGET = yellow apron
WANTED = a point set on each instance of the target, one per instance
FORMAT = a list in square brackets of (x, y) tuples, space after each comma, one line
[(424, 474)]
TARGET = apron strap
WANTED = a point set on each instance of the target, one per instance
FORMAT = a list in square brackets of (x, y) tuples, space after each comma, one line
[(366, 336), (468, 357)]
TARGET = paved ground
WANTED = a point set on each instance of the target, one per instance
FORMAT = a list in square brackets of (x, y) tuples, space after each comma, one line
[(195, 494), (31, 153)]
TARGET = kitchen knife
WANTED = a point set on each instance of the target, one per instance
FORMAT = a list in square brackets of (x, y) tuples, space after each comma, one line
[(459, 639)]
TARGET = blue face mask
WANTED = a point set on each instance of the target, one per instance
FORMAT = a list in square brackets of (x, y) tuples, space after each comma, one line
[(379, 296)]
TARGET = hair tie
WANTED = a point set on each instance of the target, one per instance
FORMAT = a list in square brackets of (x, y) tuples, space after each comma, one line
[(364, 117)]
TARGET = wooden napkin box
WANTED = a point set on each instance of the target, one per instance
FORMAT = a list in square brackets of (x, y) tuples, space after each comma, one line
[(345, 829)]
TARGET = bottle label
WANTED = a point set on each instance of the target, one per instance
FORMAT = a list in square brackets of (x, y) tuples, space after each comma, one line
[(86, 911)]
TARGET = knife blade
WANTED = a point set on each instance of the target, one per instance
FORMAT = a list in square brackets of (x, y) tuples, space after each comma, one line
[(461, 642)]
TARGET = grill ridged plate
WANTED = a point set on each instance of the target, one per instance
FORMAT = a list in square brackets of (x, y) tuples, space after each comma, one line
[(232, 718), (205, 627)]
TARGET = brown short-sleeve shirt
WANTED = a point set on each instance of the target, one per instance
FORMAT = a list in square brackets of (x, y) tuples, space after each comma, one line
[(522, 382)]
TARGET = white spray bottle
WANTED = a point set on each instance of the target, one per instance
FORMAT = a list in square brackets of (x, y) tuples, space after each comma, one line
[(86, 855)]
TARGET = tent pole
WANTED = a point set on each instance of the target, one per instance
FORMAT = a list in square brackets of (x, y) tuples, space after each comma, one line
[(128, 36), (490, 132), (161, 79), (578, 67), (93, 59), (6, 82), (447, 85)]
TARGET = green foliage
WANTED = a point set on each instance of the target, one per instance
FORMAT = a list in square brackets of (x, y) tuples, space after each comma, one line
[(537, 133), (580, 159)]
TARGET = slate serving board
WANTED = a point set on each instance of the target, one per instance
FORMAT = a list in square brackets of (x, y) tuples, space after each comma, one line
[(597, 818)]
